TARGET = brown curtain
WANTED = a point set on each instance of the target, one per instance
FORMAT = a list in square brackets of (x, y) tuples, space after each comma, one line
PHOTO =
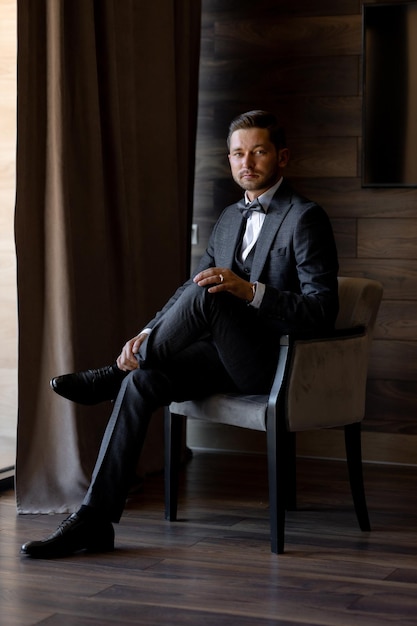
[(107, 98)]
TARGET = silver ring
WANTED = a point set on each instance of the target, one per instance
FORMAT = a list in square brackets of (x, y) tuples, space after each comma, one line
[(221, 277)]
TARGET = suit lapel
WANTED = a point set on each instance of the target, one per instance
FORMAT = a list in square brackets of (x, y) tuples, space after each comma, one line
[(231, 239), (280, 205)]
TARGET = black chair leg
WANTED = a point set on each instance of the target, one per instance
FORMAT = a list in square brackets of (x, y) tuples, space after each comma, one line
[(291, 472), (276, 449), (173, 440), (354, 463)]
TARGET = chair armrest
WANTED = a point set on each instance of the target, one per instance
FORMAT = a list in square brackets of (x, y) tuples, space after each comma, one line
[(336, 333), (287, 345), (277, 389), (304, 363)]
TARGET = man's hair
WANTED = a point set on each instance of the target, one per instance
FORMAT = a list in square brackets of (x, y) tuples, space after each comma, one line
[(259, 119)]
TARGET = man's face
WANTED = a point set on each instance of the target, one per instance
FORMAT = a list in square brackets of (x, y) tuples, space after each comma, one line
[(255, 163)]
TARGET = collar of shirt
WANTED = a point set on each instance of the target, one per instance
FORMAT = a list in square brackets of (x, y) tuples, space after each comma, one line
[(266, 197)]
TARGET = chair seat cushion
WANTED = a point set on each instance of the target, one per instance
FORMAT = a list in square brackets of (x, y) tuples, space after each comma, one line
[(227, 408)]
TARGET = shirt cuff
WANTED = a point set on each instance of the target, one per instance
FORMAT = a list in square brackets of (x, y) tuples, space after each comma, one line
[(258, 297)]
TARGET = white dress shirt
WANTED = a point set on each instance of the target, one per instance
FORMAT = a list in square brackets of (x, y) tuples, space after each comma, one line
[(254, 224)]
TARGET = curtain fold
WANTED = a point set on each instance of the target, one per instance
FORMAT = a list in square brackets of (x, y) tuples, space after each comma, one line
[(107, 106)]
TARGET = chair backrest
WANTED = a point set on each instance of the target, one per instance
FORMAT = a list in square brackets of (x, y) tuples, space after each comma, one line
[(327, 379), (359, 300)]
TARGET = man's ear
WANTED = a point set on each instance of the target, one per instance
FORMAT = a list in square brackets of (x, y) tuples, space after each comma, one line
[(283, 157)]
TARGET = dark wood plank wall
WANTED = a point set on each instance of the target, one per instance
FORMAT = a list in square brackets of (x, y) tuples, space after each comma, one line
[(303, 59)]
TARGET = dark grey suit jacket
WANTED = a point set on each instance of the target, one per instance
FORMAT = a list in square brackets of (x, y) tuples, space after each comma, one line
[(295, 258)]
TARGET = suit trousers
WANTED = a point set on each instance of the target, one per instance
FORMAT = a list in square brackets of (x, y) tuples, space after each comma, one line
[(205, 343)]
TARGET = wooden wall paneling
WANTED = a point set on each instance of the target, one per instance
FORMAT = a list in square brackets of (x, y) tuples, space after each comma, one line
[(397, 319), (229, 8), (345, 236), (399, 277), (320, 116), (344, 197), (392, 359), (288, 36), (394, 238), (265, 79), (304, 116), (316, 156), (377, 447), (212, 162), (391, 406)]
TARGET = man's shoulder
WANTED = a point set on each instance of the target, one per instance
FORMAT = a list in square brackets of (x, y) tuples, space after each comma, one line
[(230, 212), (286, 191), (288, 196)]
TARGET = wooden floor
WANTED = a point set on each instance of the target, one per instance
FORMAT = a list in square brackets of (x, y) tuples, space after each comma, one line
[(214, 566)]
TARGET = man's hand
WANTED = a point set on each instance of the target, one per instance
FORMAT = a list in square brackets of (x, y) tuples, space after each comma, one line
[(219, 279), (127, 361)]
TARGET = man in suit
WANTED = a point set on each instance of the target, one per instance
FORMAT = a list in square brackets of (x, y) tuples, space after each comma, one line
[(270, 267)]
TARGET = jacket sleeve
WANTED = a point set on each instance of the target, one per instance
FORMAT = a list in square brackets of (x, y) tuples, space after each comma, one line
[(304, 294)]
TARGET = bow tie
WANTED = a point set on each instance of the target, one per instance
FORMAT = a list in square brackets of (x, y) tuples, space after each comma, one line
[(246, 209)]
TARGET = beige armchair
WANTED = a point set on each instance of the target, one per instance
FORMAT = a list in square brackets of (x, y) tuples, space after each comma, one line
[(320, 383)]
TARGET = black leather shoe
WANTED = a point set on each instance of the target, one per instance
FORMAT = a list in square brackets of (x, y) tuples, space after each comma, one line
[(73, 535), (91, 386)]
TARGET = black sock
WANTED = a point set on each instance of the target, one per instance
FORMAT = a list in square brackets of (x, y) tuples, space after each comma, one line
[(88, 513)]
